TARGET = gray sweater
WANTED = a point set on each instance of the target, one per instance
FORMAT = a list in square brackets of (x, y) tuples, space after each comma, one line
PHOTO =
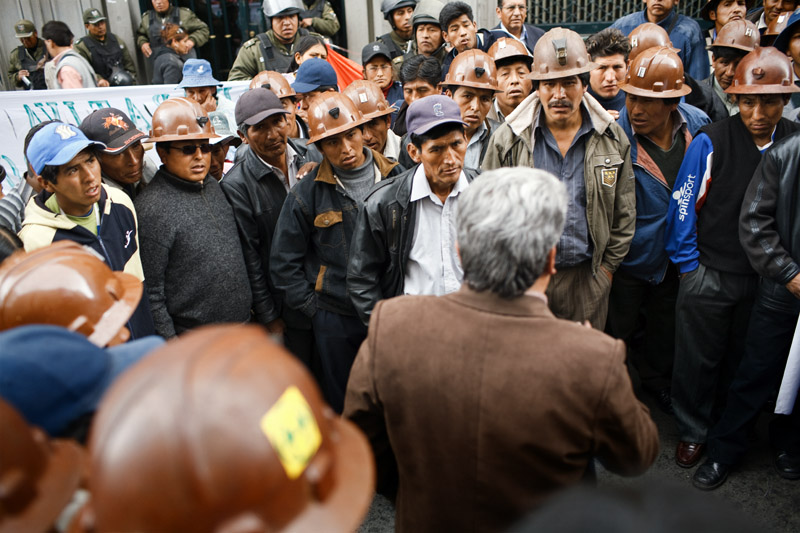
[(191, 255)]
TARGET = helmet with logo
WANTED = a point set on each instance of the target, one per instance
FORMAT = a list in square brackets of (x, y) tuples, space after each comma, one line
[(180, 119), (38, 477), (765, 70), (507, 48), (560, 53), (282, 8), (120, 77), (369, 99), (778, 24), (739, 34), (472, 68), (68, 285), (426, 12), (266, 454), (274, 81), (656, 73), (646, 36), (331, 113), (388, 6)]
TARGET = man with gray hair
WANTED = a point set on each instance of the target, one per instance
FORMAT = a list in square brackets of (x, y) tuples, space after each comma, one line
[(543, 396)]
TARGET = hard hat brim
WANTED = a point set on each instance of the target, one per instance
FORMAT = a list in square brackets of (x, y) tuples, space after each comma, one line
[(556, 74), (337, 130), (117, 316), (638, 91)]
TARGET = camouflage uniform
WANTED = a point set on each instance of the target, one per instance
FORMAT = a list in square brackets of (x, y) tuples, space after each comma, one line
[(324, 17), (103, 69), (250, 60), (15, 63), (196, 28)]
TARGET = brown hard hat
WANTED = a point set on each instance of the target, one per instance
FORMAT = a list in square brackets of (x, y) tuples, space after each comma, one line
[(331, 113), (274, 81), (778, 24), (224, 430), (560, 53), (656, 73), (37, 477), (472, 68), (765, 70), (646, 36), (68, 285), (180, 119), (506, 48), (739, 34), (369, 99)]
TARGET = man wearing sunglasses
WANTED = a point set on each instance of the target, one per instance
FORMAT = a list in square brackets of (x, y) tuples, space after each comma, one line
[(190, 246)]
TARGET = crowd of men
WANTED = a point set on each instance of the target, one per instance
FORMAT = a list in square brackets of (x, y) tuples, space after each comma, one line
[(470, 252)]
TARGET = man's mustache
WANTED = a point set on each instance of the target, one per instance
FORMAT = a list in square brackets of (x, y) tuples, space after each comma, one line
[(560, 103)]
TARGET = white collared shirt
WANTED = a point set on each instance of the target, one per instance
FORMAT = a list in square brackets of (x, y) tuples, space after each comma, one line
[(433, 264), (522, 36), (291, 167)]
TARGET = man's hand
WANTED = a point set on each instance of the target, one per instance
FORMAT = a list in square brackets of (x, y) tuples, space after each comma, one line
[(305, 23), (607, 273), (103, 83), (189, 45), (276, 327), (614, 113), (22, 73), (794, 286), (146, 50), (305, 169)]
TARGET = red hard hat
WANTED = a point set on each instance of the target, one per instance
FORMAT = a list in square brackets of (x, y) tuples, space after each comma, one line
[(222, 429)]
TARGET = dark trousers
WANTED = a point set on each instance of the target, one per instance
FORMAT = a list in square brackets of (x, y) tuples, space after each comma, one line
[(712, 315), (338, 339), (632, 297), (768, 340)]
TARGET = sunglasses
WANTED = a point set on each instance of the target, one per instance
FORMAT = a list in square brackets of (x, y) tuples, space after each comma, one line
[(190, 149)]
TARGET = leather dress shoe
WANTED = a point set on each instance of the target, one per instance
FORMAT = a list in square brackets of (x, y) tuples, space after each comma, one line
[(663, 398), (710, 475), (787, 464), (688, 453)]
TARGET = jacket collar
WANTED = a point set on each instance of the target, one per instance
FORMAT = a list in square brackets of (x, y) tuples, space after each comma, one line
[(253, 166), (487, 301), (179, 183), (522, 117), (325, 171)]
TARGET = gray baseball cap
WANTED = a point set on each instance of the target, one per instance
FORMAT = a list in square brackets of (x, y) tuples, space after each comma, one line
[(427, 113)]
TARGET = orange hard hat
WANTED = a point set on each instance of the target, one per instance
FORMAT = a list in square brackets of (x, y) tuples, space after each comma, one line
[(331, 113), (656, 73), (507, 48), (472, 68), (369, 99), (274, 81), (739, 34), (180, 119), (560, 53), (646, 36)]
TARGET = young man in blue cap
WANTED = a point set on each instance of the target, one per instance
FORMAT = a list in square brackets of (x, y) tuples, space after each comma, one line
[(74, 205), (311, 243), (404, 238), (313, 77)]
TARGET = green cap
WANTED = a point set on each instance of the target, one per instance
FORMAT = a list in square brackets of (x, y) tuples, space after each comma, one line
[(92, 16), (24, 28)]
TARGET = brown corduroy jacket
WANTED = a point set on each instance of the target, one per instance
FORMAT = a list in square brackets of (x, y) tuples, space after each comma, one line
[(478, 408)]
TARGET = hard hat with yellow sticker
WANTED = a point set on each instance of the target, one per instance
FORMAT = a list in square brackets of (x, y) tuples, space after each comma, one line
[(223, 430)]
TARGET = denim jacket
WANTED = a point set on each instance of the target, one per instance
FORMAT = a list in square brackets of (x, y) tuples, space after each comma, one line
[(311, 245)]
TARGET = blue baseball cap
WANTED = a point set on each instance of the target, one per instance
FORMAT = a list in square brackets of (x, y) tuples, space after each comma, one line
[(53, 376), (197, 73), (426, 113), (56, 144), (313, 74)]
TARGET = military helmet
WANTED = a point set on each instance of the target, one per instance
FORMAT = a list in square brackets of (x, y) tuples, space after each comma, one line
[(426, 12), (765, 70), (656, 73), (68, 285), (224, 430), (180, 119), (387, 6), (560, 53), (120, 77), (282, 8)]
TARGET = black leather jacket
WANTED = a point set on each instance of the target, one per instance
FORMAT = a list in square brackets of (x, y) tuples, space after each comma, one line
[(382, 241), (257, 194), (769, 225), (311, 248)]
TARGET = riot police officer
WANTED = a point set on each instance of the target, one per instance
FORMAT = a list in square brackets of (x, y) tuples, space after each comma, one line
[(106, 52)]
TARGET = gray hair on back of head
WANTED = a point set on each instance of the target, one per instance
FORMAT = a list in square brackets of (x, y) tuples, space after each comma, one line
[(508, 221)]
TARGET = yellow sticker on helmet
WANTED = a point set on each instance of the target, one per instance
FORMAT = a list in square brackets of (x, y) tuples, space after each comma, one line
[(292, 430)]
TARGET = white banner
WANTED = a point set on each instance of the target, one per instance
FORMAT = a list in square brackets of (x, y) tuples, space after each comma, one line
[(787, 395), (22, 110)]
